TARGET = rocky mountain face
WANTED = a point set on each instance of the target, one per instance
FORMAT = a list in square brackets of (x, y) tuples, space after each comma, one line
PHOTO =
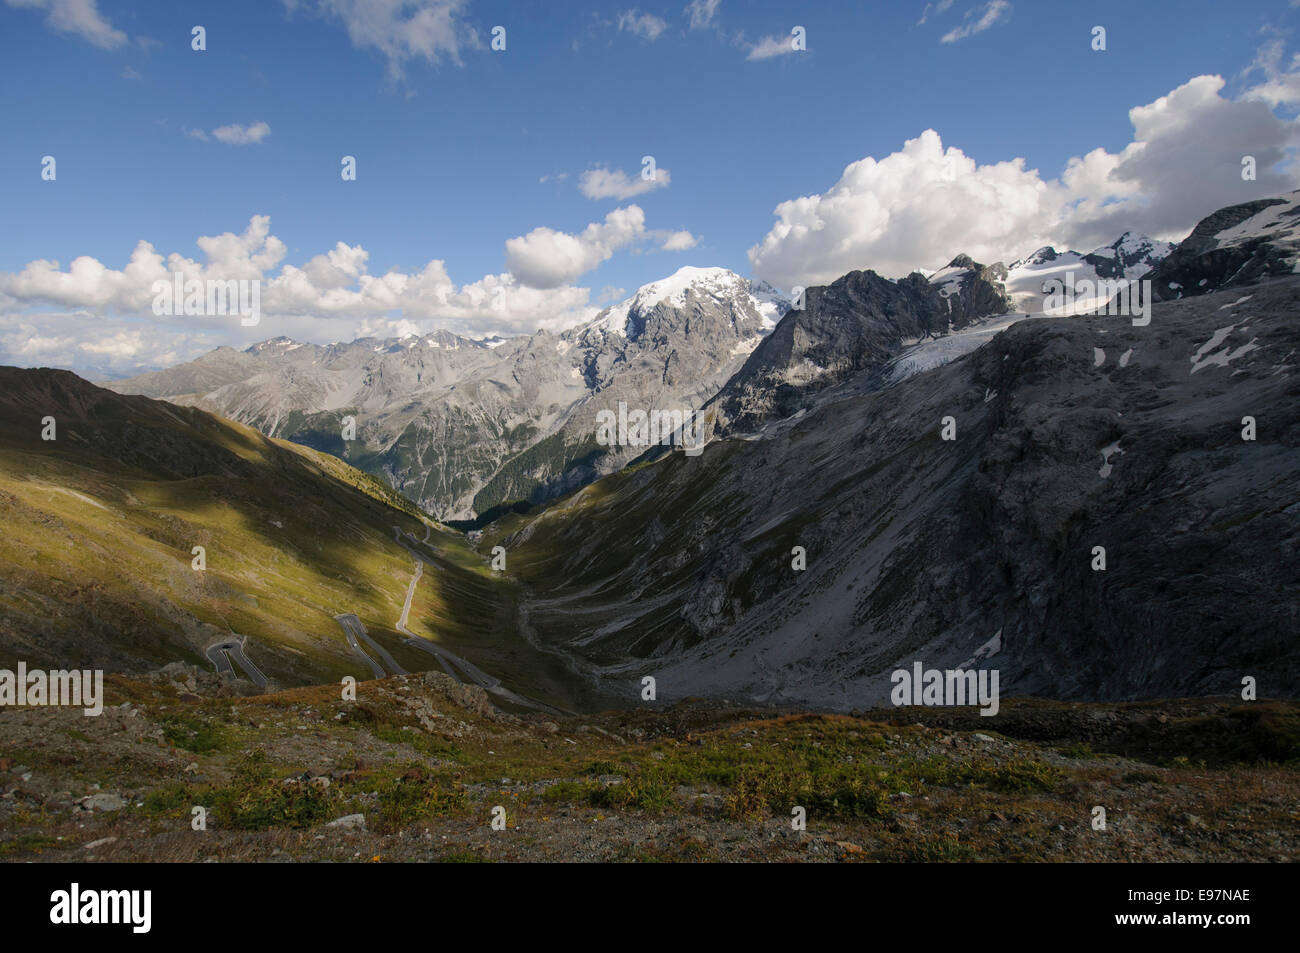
[(1235, 246), (1129, 256), (1069, 435), (460, 425), (857, 323)]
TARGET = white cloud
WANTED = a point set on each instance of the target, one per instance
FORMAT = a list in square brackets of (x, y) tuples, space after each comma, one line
[(402, 30), (1184, 162), (104, 318), (99, 319), (978, 19), (646, 25), (1281, 87), (129, 73), (702, 12), (236, 135), (81, 17), (771, 46), (942, 7), (923, 204), (94, 345), (602, 183), (546, 258), (679, 241), (902, 212)]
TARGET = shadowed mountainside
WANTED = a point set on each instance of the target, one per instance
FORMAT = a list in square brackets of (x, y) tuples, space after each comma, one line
[(982, 547)]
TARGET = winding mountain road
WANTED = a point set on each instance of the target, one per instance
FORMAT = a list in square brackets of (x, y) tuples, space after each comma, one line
[(471, 672), (221, 653), (352, 628)]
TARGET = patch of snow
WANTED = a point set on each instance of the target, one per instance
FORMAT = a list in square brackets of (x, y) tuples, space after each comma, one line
[(1106, 453), (927, 353), (990, 648), (1275, 218), (1235, 303), (1204, 358)]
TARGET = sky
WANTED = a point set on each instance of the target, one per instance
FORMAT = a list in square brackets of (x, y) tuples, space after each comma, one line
[(505, 190)]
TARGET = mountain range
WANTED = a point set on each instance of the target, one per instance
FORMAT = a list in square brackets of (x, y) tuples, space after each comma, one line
[(461, 426), (897, 471), (467, 428)]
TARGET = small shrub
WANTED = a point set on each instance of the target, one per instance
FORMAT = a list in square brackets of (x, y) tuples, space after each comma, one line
[(413, 796), (193, 734), (1079, 750)]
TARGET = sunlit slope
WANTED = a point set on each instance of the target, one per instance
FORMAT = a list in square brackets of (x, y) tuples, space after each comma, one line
[(99, 525)]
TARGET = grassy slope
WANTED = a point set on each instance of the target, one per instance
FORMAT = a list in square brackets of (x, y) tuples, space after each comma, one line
[(99, 526)]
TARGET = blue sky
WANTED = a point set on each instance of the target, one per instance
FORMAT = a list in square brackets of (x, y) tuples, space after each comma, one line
[(461, 148)]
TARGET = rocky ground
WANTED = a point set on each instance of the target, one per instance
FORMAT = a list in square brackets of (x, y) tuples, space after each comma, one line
[(414, 768)]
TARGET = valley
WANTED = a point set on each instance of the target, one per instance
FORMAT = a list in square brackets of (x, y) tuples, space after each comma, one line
[(902, 477)]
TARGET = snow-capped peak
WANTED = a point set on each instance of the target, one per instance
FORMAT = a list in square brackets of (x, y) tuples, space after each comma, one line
[(718, 283), (277, 343), (1128, 257), (1279, 217)]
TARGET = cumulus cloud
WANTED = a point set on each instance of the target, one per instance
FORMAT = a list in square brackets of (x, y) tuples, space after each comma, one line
[(102, 317), (1184, 162), (645, 25), (679, 241), (978, 19), (100, 320), (546, 258), (88, 283), (925, 203), (81, 17), (401, 30), (898, 213), (602, 183)]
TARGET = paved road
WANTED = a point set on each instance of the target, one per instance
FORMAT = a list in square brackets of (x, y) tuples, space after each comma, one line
[(351, 627), (355, 629), (221, 654), (217, 655), (471, 672)]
